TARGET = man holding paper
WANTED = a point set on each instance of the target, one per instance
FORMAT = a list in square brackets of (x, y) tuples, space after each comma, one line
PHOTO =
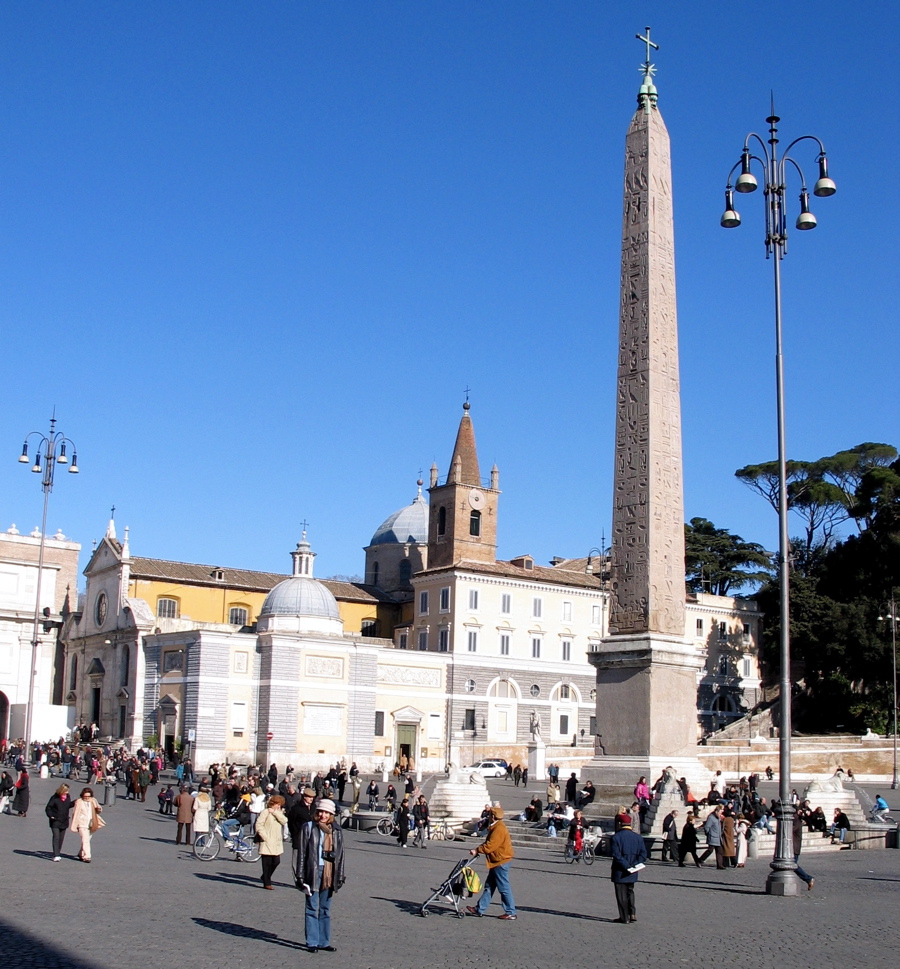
[(628, 856)]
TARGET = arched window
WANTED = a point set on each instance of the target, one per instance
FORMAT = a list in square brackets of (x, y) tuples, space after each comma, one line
[(475, 523), (238, 616), (442, 520), (167, 608), (405, 572), (126, 664), (73, 673)]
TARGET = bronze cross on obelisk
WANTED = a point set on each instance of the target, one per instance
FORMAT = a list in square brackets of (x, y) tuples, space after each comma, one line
[(646, 40)]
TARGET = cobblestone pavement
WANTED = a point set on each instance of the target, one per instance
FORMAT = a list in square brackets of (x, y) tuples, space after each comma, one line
[(144, 901)]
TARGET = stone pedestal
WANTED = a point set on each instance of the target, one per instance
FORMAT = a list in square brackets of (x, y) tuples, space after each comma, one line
[(537, 761), (458, 800)]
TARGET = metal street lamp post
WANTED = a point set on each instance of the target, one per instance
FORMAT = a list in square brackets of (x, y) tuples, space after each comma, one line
[(782, 880), (892, 616), (51, 450)]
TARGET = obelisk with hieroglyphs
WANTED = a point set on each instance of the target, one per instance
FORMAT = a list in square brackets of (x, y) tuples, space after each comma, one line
[(646, 668)]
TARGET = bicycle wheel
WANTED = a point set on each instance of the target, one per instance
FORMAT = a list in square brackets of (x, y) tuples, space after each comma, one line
[(588, 854), (569, 853), (206, 847), (385, 827), (246, 850)]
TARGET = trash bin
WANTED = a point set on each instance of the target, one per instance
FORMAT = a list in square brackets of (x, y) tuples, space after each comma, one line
[(45, 772), (109, 792)]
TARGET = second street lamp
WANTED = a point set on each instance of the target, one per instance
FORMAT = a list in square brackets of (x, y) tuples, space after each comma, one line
[(782, 880), (892, 618), (49, 451)]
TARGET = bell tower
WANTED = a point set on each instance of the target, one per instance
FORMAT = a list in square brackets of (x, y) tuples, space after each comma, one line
[(462, 520)]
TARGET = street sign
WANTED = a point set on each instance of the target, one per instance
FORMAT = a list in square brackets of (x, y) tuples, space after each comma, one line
[(270, 736)]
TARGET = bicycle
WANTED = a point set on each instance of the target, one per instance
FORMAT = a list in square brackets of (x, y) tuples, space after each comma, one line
[(208, 846), (586, 854), (441, 831)]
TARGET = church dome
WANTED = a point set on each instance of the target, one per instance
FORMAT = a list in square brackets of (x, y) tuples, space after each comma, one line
[(409, 524), (300, 596), (301, 604)]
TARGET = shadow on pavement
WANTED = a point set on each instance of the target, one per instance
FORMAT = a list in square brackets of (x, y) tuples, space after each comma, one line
[(248, 932), (45, 855), (718, 887), (34, 952), (411, 908), (229, 879)]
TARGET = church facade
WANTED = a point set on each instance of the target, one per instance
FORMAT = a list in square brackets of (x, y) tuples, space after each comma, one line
[(446, 659)]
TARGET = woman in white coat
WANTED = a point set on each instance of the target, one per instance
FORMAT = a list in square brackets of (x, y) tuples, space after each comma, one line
[(85, 820), (201, 807), (741, 831)]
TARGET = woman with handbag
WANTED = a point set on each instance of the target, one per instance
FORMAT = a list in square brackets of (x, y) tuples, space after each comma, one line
[(85, 821), (270, 837)]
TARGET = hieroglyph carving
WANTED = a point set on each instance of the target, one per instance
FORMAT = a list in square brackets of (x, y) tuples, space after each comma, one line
[(648, 514)]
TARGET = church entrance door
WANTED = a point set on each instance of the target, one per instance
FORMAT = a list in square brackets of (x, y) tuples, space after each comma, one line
[(406, 745)]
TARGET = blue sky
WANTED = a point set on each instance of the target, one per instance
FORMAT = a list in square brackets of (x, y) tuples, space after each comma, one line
[(255, 253)]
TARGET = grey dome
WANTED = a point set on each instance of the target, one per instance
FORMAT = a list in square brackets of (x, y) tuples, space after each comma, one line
[(409, 524), (300, 595)]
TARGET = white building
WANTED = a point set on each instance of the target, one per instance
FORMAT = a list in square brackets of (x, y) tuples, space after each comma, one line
[(19, 556)]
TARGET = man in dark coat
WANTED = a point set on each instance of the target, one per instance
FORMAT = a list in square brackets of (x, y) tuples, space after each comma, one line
[(670, 836), (300, 812), (571, 788), (628, 851), (713, 828)]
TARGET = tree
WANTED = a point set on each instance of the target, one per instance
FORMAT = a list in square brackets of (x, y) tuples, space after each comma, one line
[(719, 562), (825, 493)]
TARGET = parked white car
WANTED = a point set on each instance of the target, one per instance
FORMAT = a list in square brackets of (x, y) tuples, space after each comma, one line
[(489, 768)]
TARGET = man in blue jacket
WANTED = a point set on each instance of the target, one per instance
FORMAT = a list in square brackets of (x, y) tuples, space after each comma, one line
[(628, 851)]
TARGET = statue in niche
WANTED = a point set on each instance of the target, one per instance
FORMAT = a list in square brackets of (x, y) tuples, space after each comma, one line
[(535, 726)]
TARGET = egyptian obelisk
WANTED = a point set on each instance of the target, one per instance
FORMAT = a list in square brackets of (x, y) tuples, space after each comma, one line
[(646, 667)]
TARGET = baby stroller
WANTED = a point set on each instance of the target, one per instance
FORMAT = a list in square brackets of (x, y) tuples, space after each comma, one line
[(462, 882)]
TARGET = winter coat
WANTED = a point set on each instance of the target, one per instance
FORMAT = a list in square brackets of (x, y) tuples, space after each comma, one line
[(628, 849), (58, 809), (23, 795), (184, 805), (728, 846), (497, 847), (270, 827), (201, 807), (713, 828), (306, 857)]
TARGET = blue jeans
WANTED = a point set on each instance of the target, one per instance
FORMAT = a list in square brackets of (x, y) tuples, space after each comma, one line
[(800, 873), (318, 917), (497, 881), (231, 827)]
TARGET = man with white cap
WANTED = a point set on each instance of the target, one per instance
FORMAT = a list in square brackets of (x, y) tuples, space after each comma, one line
[(319, 872)]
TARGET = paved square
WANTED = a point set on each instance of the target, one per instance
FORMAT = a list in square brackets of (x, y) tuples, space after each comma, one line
[(145, 902)]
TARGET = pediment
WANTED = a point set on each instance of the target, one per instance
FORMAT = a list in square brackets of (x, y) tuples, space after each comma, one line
[(168, 701), (408, 715), (71, 696), (96, 668), (122, 694)]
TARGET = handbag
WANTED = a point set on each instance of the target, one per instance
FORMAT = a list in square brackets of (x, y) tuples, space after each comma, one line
[(97, 823)]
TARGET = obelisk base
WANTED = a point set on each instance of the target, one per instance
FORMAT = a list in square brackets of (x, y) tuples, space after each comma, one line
[(646, 715)]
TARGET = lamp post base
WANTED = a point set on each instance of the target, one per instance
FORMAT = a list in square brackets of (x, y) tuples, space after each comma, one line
[(783, 883)]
